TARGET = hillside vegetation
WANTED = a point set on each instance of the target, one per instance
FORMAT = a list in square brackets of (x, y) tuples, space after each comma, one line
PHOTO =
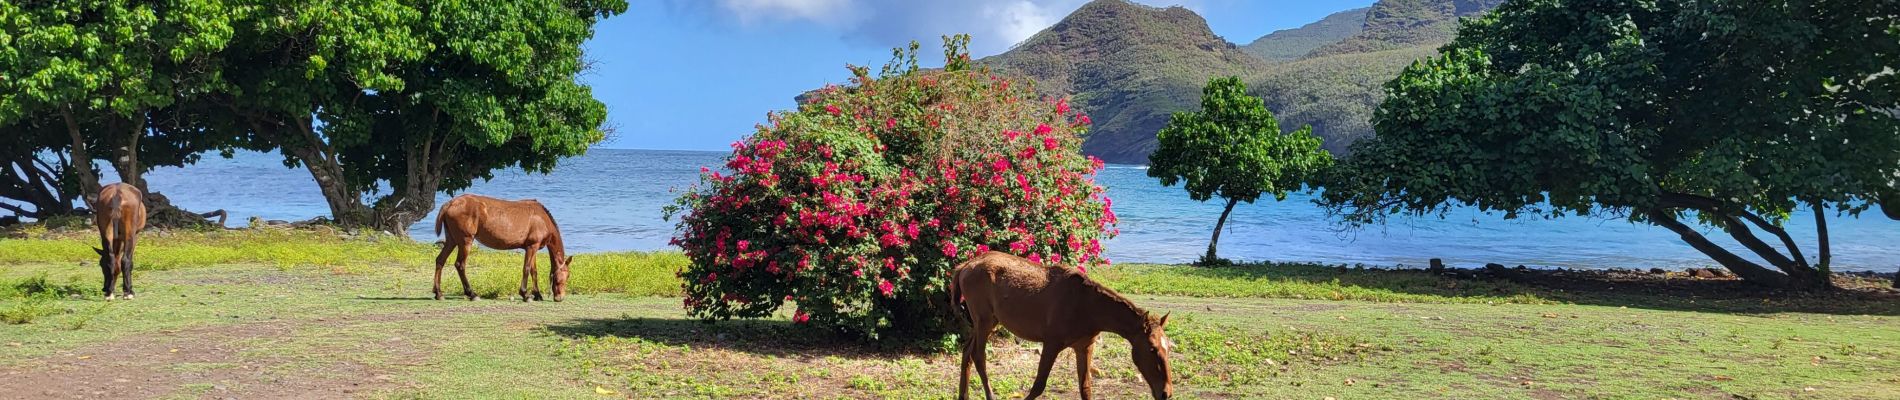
[(1130, 66), (1292, 44)]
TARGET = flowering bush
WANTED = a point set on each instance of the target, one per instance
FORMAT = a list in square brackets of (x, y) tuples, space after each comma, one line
[(855, 206)]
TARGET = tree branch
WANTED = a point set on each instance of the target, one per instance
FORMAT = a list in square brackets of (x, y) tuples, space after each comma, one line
[(1728, 214), (1742, 267)]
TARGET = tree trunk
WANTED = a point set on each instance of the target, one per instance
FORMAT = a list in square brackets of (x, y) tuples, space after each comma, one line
[(1749, 271), (126, 158), (346, 206), (1218, 225), (1890, 205), (1789, 272), (1820, 230), (81, 159)]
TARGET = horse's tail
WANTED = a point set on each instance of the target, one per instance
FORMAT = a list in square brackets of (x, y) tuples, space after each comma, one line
[(957, 305), (438, 219)]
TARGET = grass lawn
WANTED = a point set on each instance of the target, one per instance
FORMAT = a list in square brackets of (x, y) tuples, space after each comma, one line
[(292, 313)]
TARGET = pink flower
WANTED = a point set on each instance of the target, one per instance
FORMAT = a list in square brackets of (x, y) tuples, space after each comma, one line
[(1000, 165), (801, 317), (949, 249), (1035, 258), (1043, 129), (857, 273), (982, 248), (833, 109), (885, 287), (1050, 143), (743, 244), (1082, 120), (890, 123), (1062, 106)]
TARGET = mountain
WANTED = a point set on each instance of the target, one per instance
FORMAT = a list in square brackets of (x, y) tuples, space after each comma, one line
[(1291, 44), (1398, 24), (1129, 66)]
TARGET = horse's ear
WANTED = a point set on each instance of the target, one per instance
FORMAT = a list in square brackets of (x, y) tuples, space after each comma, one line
[(569, 260), (102, 252), (1164, 319)]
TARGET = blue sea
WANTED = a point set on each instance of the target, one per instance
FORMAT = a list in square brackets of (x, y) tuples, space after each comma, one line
[(611, 200)]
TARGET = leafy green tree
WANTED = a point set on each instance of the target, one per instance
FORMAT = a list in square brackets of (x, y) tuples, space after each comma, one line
[(98, 74), (388, 102), (1727, 113), (1233, 149)]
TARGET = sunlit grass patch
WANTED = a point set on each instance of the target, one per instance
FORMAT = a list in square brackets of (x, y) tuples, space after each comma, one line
[(1309, 281), (493, 273)]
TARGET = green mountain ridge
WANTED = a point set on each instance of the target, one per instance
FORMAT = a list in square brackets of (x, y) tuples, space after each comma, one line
[(1129, 66), (1292, 44)]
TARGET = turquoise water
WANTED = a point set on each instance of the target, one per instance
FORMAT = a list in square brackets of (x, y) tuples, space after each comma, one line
[(611, 199)]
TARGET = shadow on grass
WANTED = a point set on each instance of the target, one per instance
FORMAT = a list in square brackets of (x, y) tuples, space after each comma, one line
[(758, 337), (420, 298), (1633, 289)]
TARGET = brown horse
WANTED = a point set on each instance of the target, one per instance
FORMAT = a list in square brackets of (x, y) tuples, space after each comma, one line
[(1058, 307), (501, 225), (119, 213)]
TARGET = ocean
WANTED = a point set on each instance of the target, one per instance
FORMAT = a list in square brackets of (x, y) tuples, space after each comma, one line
[(610, 200)]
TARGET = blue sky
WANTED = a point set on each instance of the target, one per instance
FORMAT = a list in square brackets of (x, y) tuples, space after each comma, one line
[(699, 74)]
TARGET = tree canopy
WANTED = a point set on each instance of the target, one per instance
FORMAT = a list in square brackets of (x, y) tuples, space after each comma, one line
[(389, 101), (1730, 113), (1233, 148)]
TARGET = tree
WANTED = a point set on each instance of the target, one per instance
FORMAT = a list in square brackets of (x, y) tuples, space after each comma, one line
[(99, 74), (1727, 113), (413, 98), (1233, 149)]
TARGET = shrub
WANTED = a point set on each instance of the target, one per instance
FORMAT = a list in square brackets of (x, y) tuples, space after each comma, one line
[(855, 206)]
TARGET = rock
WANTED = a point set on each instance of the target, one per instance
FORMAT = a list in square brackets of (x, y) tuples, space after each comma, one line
[(1658, 271), (1702, 273), (1718, 272), (1494, 267), (1438, 265)]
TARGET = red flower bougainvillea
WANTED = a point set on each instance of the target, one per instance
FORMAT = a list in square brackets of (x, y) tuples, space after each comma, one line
[(854, 207)]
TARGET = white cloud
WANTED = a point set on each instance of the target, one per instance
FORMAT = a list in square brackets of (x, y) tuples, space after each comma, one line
[(748, 12), (994, 25)]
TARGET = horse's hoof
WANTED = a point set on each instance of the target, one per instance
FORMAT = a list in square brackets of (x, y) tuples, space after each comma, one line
[(128, 296), (110, 297)]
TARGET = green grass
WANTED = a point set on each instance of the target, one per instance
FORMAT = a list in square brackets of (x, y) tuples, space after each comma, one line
[(249, 324), (492, 273)]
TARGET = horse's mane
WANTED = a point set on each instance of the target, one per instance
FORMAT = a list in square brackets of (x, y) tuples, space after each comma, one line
[(551, 221), (1112, 295)]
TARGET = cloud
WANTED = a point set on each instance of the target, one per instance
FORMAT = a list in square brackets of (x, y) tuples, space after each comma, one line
[(994, 25), (750, 12)]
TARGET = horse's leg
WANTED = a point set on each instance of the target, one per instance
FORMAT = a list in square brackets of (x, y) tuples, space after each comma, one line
[(1050, 351), (963, 377), (534, 275), (125, 263), (109, 258), (461, 267), (440, 261), (110, 268), (1083, 352), (980, 343)]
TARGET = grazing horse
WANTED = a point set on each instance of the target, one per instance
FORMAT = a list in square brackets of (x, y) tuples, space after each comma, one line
[(119, 213), (501, 225), (1059, 307)]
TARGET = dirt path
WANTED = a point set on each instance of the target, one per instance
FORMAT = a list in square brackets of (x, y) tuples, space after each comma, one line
[(210, 363)]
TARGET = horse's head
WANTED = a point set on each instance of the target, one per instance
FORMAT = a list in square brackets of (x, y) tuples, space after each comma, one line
[(1151, 357), (560, 277)]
